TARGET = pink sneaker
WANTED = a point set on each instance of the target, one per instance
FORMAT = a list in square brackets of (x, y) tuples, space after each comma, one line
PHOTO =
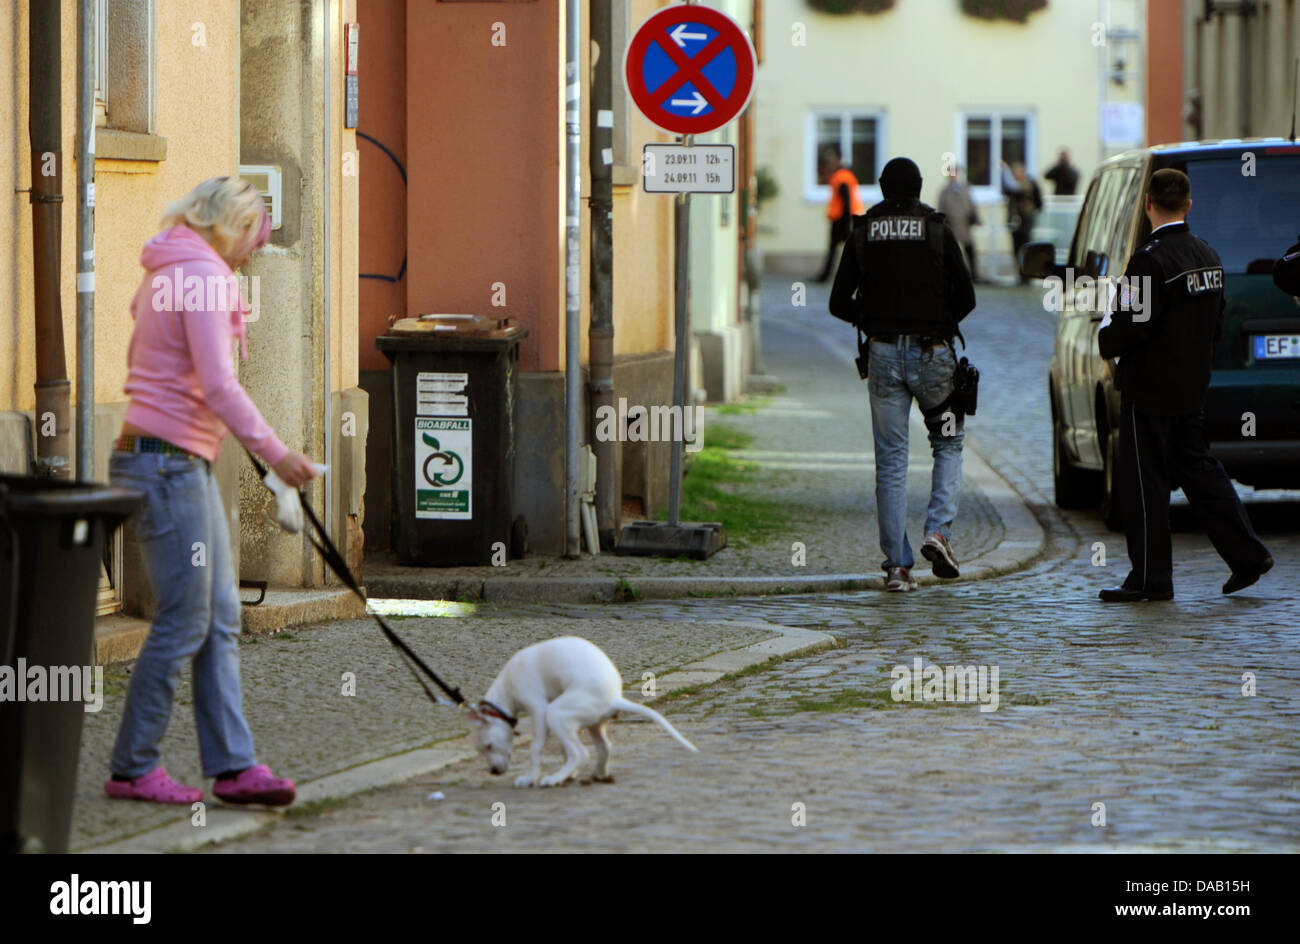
[(156, 787), (256, 785)]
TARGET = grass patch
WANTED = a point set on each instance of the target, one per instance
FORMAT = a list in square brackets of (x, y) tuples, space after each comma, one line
[(747, 518), (726, 437), (624, 592)]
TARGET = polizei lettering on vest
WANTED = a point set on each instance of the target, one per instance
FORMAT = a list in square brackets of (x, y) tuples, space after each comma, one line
[(896, 227), (1206, 280)]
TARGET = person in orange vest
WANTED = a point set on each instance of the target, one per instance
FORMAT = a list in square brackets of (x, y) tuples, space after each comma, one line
[(842, 207)]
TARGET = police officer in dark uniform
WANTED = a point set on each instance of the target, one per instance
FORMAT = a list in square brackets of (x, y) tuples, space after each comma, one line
[(1163, 327), (903, 281)]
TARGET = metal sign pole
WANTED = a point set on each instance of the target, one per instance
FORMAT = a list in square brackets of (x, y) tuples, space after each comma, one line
[(681, 287)]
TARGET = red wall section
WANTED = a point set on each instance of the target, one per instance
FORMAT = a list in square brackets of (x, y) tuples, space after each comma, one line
[(484, 145), (381, 71), (1164, 71)]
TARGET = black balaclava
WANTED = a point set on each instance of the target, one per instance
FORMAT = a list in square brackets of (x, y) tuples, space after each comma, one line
[(900, 181)]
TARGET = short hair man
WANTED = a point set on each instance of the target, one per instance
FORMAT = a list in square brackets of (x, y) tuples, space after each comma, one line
[(1163, 328), (904, 283)]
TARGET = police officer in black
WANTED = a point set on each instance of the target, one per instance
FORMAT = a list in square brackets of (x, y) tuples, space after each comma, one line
[(1163, 326), (903, 282)]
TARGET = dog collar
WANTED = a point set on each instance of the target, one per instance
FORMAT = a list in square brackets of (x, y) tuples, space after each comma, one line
[(486, 707)]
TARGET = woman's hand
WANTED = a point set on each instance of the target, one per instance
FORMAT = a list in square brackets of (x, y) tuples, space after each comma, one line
[(295, 470)]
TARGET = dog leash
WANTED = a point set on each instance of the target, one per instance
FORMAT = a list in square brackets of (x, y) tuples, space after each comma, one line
[(330, 554)]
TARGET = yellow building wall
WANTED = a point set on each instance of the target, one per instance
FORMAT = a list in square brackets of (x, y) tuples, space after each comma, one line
[(922, 64), (196, 110)]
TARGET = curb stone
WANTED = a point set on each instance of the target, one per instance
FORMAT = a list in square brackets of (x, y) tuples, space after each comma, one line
[(225, 823), (1023, 542)]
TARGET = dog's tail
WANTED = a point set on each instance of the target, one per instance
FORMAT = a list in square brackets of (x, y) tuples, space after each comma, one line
[(632, 707)]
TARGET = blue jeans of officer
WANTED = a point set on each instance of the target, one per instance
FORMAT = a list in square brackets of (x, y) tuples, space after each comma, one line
[(900, 371), (185, 542)]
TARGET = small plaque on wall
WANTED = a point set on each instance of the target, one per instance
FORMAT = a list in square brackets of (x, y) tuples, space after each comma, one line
[(351, 101)]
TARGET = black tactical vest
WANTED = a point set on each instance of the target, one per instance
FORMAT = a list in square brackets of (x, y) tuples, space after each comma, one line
[(903, 283)]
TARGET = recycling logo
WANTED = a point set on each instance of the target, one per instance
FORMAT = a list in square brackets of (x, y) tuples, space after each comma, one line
[(443, 464), (448, 461)]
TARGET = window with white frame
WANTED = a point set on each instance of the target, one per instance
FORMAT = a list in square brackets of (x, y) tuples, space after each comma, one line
[(101, 61), (860, 137), (987, 138), (124, 68)]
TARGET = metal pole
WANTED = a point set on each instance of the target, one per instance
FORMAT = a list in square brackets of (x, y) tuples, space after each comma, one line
[(681, 287), (327, 181), (572, 258), (45, 130), (85, 441), (600, 336)]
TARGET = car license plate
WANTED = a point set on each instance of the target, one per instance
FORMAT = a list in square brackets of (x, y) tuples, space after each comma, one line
[(1276, 346)]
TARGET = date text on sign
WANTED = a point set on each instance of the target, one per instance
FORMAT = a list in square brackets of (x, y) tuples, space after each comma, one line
[(701, 168)]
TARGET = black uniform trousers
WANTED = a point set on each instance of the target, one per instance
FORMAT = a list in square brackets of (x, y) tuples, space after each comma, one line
[(1158, 454)]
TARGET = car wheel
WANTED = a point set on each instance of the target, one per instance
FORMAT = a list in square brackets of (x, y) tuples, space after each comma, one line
[(1075, 488), (1112, 509)]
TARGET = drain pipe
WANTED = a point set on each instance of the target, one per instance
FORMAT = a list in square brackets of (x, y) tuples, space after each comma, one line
[(86, 243), (45, 129), (600, 336), (572, 258)]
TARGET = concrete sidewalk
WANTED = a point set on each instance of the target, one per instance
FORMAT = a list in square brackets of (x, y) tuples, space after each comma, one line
[(336, 745), (812, 450)]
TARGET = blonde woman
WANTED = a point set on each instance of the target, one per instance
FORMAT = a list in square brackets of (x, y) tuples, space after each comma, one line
[(185, 398)]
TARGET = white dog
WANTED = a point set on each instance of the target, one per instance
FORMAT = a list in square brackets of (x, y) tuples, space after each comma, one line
[(564, 684)]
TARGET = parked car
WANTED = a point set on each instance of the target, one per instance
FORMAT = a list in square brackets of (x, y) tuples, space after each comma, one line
[(1246, 204), (1055, 224)]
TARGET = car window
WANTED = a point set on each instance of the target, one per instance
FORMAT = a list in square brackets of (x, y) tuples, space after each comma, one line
[(1102, 220), (1079, 247), (1247, 218), (1118, 247)]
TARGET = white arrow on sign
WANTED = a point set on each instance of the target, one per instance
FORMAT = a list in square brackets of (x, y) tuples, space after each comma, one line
[(699, 101), (680, 35)]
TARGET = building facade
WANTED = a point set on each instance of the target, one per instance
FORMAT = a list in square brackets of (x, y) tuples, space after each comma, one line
[(189, 90), (933, 83)]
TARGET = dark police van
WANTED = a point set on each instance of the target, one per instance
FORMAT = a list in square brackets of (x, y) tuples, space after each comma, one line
[(1246, 205)]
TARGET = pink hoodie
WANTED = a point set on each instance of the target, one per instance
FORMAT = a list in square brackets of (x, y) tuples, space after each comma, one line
[(180, 377)]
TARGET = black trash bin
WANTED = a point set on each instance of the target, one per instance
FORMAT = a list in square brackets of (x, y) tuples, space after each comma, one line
[(454, 382), (52, 538)]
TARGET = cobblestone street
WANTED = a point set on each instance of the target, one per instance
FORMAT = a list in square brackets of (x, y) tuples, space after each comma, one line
[(1139, 708)]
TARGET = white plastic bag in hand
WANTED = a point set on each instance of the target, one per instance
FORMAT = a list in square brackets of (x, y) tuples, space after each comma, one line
[(289, 505)]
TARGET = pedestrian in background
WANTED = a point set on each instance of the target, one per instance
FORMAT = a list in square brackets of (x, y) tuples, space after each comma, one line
[(1063, 175), (904, 283), (844, 204), (956, 204), (1024, 200), (1164, 328), (185, 398)]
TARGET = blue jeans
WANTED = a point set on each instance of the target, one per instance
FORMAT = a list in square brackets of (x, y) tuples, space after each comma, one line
[(898, 372), (186, 548)]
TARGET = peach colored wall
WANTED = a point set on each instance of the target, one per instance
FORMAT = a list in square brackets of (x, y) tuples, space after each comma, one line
[(382, 70), (484, 150), (199, 118), (1164, 71)]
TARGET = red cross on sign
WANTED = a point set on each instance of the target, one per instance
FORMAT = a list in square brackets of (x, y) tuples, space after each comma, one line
[(690, 69)]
